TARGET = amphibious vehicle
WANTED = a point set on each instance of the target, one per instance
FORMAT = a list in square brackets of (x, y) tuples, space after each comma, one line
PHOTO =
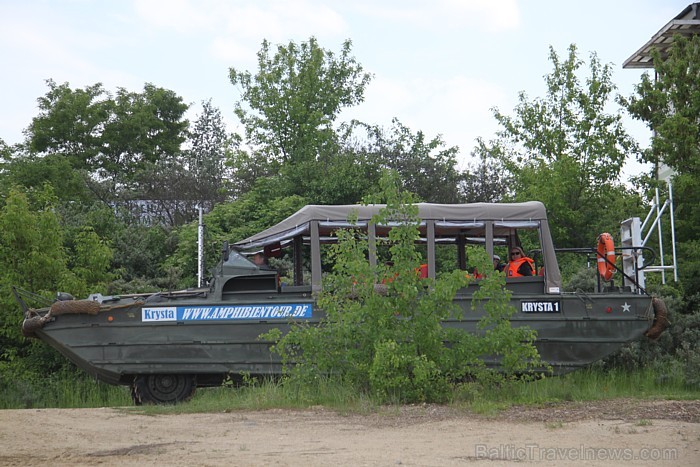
[(164, 345)]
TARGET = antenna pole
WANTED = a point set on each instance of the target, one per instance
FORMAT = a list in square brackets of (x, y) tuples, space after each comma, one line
[(200, 251)]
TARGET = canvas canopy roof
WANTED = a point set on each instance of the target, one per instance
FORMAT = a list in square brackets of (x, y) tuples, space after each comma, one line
[(446, 216), (447, 219)]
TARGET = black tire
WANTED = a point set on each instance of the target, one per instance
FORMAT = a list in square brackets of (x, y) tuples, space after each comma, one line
[(163, 389)]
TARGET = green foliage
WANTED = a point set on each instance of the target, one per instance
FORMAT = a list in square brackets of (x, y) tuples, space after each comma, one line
[(33, 171), (426, 167), (31, 242), (567, 152), (514, 345), (115, 144), (669, 104), (70, 124), (346, 177), (33, 257), (91, 261), (485, 181), (675, 355), (398, 374), (207, 175), (295, 97), (145, 129), (388, 340), (249, 214), (140, 250), (288, 109)]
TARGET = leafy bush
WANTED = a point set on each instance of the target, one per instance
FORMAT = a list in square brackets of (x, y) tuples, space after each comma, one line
[(676, 351), (397, 373), (383, 334), (584, 279)]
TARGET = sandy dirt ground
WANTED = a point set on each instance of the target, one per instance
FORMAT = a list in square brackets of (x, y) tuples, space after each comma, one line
[(618, 432)]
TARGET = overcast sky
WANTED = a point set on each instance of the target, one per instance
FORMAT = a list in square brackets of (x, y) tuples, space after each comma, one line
[(439, 66)]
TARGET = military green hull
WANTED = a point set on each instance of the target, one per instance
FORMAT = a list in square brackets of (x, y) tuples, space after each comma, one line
[(117, 345), (123, 341)]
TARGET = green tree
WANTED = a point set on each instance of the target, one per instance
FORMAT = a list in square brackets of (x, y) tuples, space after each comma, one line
[(347, 176), (146, 129), (485, 181), (247, 168), (33, 257), (567, 151), (425, 166), (4, 150), (670, 106), (32, 252), (33, 171), (288, 108), (91, 261), (115, 142), (174, 188), (70, 124), (62, 142), (296, 96), (205, 161)]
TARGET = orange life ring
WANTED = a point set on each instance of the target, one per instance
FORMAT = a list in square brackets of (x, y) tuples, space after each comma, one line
[(606, 256)]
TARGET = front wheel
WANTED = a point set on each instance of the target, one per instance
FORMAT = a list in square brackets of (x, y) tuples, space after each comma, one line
[(162, 389)]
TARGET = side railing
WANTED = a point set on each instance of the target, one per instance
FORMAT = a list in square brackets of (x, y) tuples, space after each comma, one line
[(632, 283)]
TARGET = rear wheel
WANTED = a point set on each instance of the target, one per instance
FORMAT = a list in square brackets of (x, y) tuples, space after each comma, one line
[(162, 389)]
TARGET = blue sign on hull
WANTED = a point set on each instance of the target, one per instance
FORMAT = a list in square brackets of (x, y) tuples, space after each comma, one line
[(226, 312)]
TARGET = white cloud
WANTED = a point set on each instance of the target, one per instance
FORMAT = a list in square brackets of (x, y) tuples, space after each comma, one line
[(487, 15), (184, 16), (492, 16), (40, 44), (245, 18), (229, 50), (458, 108), (232, 27)]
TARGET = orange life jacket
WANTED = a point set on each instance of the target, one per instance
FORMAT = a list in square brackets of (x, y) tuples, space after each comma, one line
[(421, 271), (513, 266), (477, 274)]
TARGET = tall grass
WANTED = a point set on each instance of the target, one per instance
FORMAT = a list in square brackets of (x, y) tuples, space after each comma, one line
[(586, 385), (73, 390), (61, 392), (271, 394)]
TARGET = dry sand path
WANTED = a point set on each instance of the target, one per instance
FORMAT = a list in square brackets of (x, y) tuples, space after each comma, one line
[(618, 432)]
